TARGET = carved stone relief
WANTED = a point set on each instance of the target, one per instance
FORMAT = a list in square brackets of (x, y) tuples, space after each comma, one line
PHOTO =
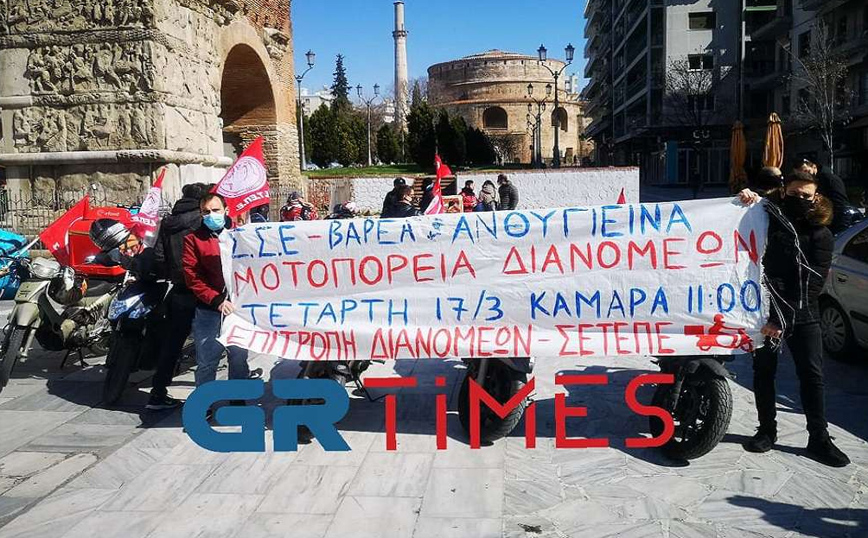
[(28, 16), (87, 127), (88, 67)]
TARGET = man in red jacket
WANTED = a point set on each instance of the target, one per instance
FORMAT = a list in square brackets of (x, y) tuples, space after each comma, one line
[(203, 273)]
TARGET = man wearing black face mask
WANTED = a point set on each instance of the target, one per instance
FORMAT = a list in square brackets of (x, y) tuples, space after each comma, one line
[(796, 263)]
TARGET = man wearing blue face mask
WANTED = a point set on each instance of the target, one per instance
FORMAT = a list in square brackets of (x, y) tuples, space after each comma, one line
[(203, 273)]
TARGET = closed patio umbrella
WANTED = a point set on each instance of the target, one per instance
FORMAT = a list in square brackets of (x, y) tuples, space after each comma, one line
[(737, 155), (773, 151)]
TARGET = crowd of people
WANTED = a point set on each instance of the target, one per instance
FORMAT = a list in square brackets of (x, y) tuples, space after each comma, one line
[(803, 205)]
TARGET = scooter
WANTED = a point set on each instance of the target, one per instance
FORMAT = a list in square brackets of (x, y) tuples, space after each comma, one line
[(55, 306), (502, 379), (135, 318), (700, 402)]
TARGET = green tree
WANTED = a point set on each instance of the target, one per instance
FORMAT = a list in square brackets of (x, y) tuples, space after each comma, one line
[(416, 98), (421, 135), (451, 138), (321, 136), (480, 150), (388, 144), (341, 86)]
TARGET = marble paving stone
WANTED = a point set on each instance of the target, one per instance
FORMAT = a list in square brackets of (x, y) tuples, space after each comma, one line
[(189, 453), (752, 482), (529, 527), (573, 515), (671, 489), (375, 517), (261, 525), (815, 492), (27, 426), (392, 474), (24, 464), (592, 466), (208, 514), (460, 456), (18, 388), (80, 438), (651, 508), (309, 489), (56, 514), (412, 436), (684, 529), (115, 525), (4, 400), (43, 483), (10, 506), (522, 497), (620, 530), (159, 437), (748, 513), (119, 468), (111, 417), (360, 443), (519, 469), (249, 474), (7, 483), (431, 527), (160, 489), (61, 397), (834, 523), (474, 493)]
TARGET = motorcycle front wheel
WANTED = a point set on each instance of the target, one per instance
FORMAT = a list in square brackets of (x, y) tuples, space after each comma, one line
[(120, 361), (11, 351), (701, 418), (502, 384)]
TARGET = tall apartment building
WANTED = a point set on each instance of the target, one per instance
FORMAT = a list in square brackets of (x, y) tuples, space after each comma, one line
[(632, 44)]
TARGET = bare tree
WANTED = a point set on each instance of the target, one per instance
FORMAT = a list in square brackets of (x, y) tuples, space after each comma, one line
[(822, 100), (506, 147), (696, 98)]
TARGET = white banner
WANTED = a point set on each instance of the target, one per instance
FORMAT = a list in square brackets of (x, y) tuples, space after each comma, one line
[(677, 278)]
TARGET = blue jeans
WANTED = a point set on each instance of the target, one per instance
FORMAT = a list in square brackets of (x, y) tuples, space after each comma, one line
[(206, 329)]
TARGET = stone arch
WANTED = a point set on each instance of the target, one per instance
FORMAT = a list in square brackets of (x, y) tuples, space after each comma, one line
[(564, 119), (495, 117), (247, 103)]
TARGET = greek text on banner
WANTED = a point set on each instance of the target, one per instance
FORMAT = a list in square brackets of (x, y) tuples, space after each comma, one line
[(678, 278)]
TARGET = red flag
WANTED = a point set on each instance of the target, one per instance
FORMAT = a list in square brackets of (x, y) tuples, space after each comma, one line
[(622, 199), (437, 206), (245, 185), (146, 220), (56, 236)]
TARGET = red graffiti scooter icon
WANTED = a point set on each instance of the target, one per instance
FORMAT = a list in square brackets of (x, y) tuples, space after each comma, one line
[(719, 335)]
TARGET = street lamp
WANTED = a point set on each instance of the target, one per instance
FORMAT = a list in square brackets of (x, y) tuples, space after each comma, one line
[(310, 56), (569, 51), (368, 103), (540, 108)]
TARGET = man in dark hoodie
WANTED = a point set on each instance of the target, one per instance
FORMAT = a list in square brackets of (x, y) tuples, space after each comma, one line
[(392, 197), (185, 218)]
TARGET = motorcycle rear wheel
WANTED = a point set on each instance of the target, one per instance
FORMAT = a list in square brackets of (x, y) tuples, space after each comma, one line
[(120, 361), (709, 402), (11, 351), (501, 383)]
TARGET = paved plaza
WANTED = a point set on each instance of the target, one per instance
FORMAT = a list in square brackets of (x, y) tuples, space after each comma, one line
[(69, 468)]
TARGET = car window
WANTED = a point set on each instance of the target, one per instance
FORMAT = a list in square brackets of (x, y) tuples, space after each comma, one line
[(857, 248)]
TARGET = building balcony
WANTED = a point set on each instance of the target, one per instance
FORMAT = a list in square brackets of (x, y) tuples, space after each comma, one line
[(823, 6), (762, 74), (855, 47), (771, 24)]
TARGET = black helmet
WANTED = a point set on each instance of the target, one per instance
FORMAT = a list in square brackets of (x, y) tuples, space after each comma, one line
[(108, 234)]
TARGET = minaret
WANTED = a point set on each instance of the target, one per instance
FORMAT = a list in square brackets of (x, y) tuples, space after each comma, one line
[(402, 90)]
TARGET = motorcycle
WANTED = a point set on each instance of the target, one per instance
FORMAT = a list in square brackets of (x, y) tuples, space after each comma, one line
[(55, 305), (134, 317), (700, 402), (502, 379)]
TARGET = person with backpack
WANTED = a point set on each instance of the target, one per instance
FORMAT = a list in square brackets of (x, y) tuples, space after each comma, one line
[(297, 208), (468, 197), (487, 197), (180, 302)]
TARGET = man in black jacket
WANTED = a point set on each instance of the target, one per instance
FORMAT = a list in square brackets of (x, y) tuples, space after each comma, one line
[(392, 197), (180, 304), (830, 186), (404, 207), (795, 265), (508, 193)]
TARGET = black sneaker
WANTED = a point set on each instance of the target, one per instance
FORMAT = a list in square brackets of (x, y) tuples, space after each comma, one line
[(160, 403), (761, 442), (821, 448)]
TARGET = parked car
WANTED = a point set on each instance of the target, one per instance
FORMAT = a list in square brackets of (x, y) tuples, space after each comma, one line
[(844, 301)]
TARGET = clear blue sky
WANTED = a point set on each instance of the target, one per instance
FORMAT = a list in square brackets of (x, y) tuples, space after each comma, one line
[(440, 30)]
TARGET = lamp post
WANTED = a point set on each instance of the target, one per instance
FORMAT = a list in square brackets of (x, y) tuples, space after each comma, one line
[(368, 103), (310, 56), (543, 56), (540, 108)]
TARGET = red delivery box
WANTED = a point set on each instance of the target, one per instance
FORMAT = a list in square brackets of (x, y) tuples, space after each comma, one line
[(81, 247)]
